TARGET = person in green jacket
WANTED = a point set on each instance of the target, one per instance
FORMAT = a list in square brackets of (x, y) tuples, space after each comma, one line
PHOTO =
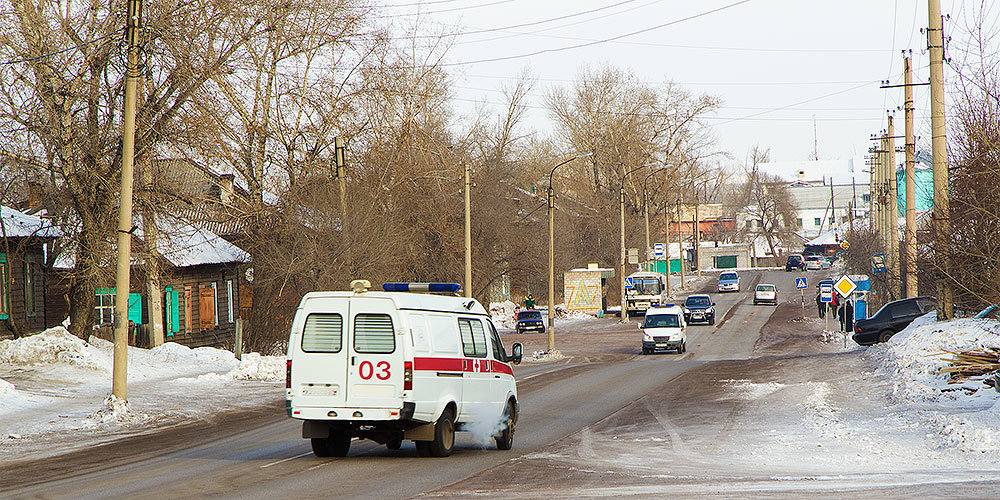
[(529, 302)]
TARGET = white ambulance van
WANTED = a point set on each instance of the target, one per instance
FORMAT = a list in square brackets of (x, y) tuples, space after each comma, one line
[(395, 365)]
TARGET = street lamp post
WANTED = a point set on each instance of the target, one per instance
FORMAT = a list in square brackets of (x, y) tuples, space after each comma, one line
[(552, 239), (621, 268)]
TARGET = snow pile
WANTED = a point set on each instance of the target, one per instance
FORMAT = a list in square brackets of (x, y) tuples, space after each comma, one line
[(965, 416), (553, 355), (6, 388), (503, 314), (752, 391), (115, 411), (253, 366), (53, 346), (912, 358)]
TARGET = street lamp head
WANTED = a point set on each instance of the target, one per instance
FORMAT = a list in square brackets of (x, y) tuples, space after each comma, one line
[(584, 155)]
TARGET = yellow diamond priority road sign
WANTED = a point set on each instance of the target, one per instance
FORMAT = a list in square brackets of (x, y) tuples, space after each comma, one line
[(845, 286)]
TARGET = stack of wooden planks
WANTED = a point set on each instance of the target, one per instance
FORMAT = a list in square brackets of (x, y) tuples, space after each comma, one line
[(971, 363)]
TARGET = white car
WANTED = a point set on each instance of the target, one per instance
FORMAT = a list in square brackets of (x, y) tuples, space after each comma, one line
[(729, 281), (765, 294), (663, 329), (394, 365), (812, 263)]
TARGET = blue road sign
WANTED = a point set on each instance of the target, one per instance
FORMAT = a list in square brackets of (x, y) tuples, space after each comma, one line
[(628, 282), (800, 282), (878, 263), (826, 293)]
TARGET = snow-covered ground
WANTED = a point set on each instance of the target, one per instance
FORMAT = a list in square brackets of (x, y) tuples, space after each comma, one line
[(54, 390), (845, 420)]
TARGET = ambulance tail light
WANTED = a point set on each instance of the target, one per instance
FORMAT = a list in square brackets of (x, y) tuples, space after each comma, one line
[(288, 374), (408, 375)]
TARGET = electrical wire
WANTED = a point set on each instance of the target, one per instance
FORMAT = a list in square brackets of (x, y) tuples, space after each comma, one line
[(50, 54), (595, 42)]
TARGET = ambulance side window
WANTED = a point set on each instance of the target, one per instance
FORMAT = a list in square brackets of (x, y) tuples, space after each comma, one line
[(473, 337), (323, 333), (373, 334), (498, 352)]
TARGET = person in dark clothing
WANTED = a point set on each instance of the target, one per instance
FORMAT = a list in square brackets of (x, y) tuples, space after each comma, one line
[(821, 306), (847, 316)]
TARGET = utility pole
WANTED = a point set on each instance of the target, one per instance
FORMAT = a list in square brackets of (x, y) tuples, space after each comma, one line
[(680, 238), (552, 253), (939, 145), (132, 73), (912, 288), (621, 261), (645, 215), (666, 243), (893, 208), (468, 231), (697, 230), (340, 159)]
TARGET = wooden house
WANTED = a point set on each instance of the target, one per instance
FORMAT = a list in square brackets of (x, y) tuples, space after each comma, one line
[(24, 278)]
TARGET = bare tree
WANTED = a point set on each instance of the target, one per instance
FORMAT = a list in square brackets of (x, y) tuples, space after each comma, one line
[(767, 203)]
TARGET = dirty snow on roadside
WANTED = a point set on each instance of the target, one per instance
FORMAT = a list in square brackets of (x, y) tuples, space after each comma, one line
[(831, 421), (54, 385)]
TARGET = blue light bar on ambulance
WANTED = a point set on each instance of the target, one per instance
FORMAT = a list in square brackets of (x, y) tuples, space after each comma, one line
[(422, 287)]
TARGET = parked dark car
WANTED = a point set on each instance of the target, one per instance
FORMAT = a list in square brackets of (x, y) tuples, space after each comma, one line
[(795, 262), (891, 319), (529, 321), (699, 308)]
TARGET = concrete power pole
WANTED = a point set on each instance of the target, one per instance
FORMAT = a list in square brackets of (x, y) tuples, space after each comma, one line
[(680, 239), (939, 145), (892, 208), (912, 289), (132, 74), (697, 230), (468, 232), (621, 260), (666, 244)]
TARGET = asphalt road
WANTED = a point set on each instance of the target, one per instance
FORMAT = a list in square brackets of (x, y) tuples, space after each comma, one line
[(266, 458)]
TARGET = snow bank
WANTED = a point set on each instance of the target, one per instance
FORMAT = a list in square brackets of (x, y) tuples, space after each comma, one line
[(503, 314), (253, 366), (115, 411), (6, 387), (965, 415), (53, 346), (912, 358)]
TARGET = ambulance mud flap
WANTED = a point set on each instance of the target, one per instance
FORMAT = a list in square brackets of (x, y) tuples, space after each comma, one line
[(314, 429), (422, 433), (407, 412)]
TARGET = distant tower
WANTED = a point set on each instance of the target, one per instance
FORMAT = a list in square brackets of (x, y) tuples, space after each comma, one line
[(815, 141)]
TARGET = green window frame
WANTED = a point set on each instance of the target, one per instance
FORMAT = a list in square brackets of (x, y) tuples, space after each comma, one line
[(30, 275), (4, 287)]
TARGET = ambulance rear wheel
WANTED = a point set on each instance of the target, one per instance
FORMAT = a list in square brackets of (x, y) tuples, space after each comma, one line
[(337, 445), (505, 440), (444, 435), (423, 448)]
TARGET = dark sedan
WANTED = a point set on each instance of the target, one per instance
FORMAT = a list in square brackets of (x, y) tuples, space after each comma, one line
[(530, 320), (699, 308), (891, 319)]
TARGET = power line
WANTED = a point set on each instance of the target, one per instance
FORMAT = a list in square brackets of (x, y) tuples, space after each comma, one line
[(50, 54), (522, 25), (595, 42), (468, 7)]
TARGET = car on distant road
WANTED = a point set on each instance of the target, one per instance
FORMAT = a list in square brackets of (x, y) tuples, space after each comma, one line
[(699, 308), (663, 329), (529, 321), (793, 262), (812, 263), (825, 263), (891, 319), (729, 281), (765, 294)]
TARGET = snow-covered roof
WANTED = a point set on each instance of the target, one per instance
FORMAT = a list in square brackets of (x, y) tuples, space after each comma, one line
[(183, 245), (824, 238), (21, 225), (179, 242)]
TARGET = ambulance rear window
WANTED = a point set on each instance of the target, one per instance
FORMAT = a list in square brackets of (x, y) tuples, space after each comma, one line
[(373, 334), (323, 333)]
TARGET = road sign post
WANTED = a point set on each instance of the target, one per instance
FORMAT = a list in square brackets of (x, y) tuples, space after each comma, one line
[(800, 283)]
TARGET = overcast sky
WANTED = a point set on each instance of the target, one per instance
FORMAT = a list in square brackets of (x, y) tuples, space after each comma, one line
[(776, 64)]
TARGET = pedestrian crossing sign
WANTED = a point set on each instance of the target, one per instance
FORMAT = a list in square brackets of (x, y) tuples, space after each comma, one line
[(628, 282), (800, 282)]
